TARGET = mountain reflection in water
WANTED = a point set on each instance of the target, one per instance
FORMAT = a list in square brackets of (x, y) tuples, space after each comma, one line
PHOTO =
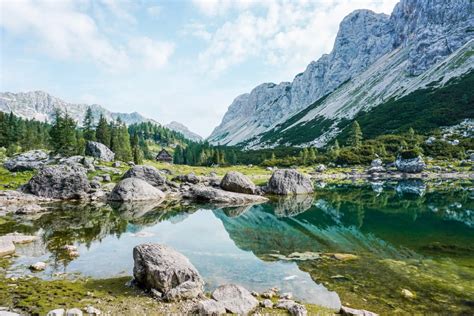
[(245, 245)]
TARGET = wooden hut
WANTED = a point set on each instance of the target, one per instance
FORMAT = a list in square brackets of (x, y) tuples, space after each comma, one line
[(164, 156)]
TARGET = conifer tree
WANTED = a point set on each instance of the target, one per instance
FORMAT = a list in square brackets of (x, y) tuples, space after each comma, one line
[(102, 133), (88, 125), (355, 137)]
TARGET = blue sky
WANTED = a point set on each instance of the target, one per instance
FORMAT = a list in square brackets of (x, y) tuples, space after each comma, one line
[(169, 60)]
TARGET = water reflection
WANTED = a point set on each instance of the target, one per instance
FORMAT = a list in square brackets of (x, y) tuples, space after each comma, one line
[(378, 222)]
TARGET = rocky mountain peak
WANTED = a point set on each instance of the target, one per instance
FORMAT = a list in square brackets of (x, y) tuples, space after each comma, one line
[(426, 30)]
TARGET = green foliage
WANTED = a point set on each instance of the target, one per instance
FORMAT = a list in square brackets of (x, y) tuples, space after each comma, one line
[(63, 135), (102, 133), (355, 136), (88, 125), (410, 153), (423, 110)]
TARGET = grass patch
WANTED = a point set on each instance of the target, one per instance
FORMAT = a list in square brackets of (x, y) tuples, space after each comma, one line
[(13, 180)]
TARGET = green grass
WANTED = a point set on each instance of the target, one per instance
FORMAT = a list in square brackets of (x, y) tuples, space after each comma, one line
[(13, 180)]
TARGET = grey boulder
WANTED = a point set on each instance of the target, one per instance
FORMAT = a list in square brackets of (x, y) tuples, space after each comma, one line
[(30, 160), (99, 151), (292, 307), (413, 165), (235, 298), (347, 311), (208, 194), (289, 181), (148, 173), (235, 181), (209, 308), (166, 270), (59, 182), (134, 189)]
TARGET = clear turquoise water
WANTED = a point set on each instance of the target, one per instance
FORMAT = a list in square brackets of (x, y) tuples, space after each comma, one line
[(405, 235)]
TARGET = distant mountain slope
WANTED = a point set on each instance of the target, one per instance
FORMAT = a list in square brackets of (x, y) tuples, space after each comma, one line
[(180, 128), (41, 106), (375, 58)]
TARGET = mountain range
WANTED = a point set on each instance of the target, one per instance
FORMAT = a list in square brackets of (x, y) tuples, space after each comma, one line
[(377, 59), (42, 106)]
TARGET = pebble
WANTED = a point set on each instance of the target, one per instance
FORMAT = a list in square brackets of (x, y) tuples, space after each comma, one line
[(92, 310), (266, 303)]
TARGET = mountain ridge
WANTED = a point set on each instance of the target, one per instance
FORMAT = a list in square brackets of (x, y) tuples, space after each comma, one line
[(420, 33), (41, 106)]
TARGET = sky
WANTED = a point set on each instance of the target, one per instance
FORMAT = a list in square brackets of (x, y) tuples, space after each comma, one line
[(168, 60)]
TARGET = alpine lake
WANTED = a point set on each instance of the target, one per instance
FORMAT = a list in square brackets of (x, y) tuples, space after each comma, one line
[(356, 244)]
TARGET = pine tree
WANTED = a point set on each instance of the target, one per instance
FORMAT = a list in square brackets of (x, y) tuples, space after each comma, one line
[(178, 155), (102, 133), (88, 124), (355, 137)]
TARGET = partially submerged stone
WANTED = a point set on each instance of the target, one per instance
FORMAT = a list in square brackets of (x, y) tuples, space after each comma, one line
[(289, 181), (162, 268), (347, 311), (235, 298), (413, 165), (234, 181), (224, 197), (134, 189), (344, 256), (38, 266), (7, 242)]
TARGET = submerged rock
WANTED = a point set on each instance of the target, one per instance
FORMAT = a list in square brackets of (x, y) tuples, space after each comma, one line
[(234, 181), (407, 294), (289, 181), (7, 242), (236, 299), (30, 160), (147, 173), (59, 182), (134, 189), (413, 165), (347, 311), (99, 151), (38, 266), (164, 269), (214, 195)]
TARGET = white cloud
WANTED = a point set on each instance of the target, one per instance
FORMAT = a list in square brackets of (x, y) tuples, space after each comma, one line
[(197, 30), (287, 33), (63, 29), (221, 7), (154, 11), (151, 53)]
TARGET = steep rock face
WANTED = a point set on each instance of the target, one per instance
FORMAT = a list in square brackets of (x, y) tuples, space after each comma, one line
[(433, 29), (363, 37), (41, 106), (418, 35)]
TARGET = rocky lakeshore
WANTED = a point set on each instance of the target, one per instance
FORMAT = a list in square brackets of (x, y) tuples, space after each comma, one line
[(131, 188)]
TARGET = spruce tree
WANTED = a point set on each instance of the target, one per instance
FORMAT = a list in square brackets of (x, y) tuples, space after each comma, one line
[(355, 136), (102, 133), (88, 125)]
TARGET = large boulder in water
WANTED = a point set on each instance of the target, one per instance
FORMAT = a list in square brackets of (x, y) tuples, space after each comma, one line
[(147, 173), (236, 299), (289, 181), (412, 165), (30, 160), (208, 194), (99, 151), (134, 189), (59, 182), (234, 181), (164, 269)]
